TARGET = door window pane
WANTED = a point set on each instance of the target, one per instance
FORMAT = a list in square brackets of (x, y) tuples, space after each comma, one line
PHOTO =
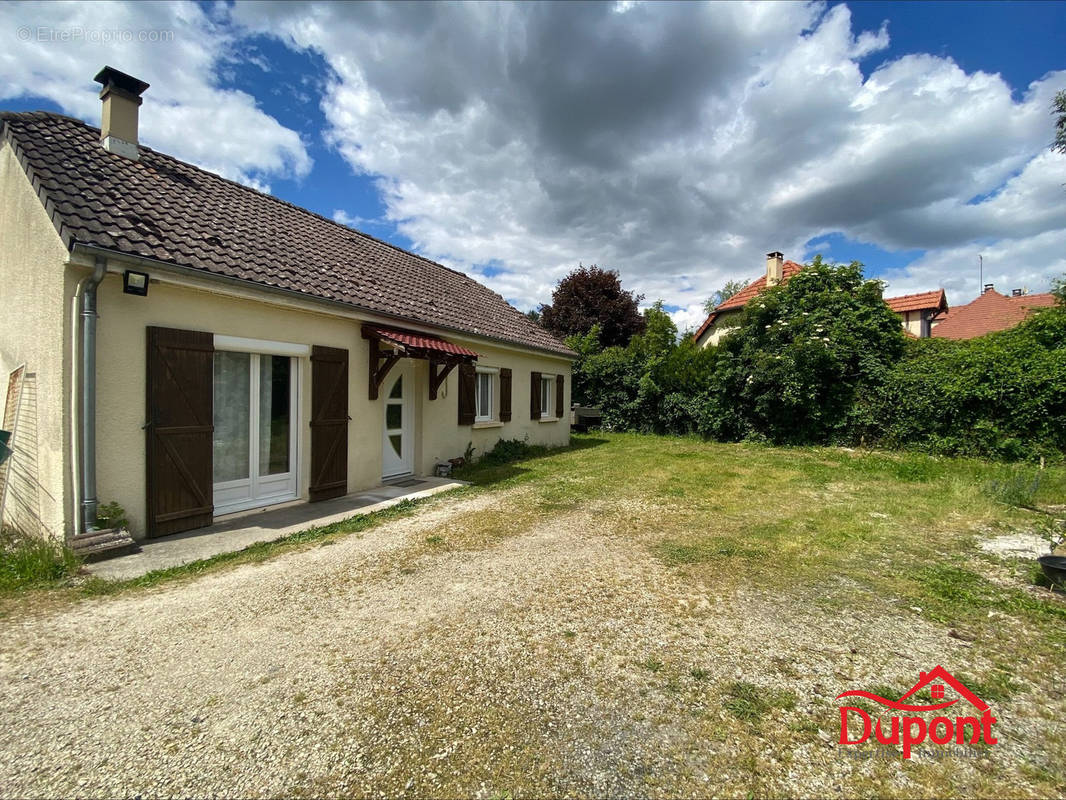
[(397, 389), (231, 416), (396, 442), (274, 414), (393, 416)]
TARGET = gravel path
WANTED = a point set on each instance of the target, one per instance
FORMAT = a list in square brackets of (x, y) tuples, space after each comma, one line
[(557, 658)]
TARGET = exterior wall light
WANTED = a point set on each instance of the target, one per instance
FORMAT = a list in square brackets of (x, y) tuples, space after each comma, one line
[(135, 283)]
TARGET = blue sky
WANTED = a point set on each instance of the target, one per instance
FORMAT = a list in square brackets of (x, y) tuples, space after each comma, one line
[(676, 143)]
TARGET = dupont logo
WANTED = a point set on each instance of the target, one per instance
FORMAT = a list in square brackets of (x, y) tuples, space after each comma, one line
[(906, 728)]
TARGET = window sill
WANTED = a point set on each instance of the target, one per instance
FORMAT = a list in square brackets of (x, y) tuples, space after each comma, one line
[(489, 423), (548, 419)]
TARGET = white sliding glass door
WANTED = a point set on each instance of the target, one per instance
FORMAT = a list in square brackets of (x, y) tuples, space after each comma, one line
[(255, 430)]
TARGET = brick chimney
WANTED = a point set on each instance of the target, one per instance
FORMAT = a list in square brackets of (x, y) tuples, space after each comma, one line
[(121, 96), (775, 268)]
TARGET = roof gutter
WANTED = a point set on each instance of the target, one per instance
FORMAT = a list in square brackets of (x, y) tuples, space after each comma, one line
[(178, 269), (87, 317)]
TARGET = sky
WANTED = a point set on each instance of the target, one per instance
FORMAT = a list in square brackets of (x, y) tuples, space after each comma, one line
[(675, 143)]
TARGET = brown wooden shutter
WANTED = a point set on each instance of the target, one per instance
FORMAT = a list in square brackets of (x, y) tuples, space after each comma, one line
[(180, 424), (329, 423), (505, 395), (559, 410), (467, 388), (534, 395)]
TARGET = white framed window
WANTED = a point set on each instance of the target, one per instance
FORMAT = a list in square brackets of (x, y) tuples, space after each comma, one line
[(547, 392), (485, 394)]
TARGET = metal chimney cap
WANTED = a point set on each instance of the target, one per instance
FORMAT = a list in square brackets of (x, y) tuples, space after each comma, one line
[(109, 76)]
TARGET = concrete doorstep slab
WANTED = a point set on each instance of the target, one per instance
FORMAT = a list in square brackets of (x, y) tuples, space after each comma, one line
[(237, 531)]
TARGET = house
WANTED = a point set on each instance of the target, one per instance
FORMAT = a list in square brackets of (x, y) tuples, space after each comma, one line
[(919, 311), (990, 312), (916, 310), (194, 348), (724, 317)]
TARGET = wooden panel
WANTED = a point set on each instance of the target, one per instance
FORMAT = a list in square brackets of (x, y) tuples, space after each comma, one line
[(329, 423), (180, 406), (467, 388), (559, 410), (534, 395), (505, 395)]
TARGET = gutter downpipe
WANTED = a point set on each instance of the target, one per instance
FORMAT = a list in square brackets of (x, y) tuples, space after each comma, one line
[(87, 395)]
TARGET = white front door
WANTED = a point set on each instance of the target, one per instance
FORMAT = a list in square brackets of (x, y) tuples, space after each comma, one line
[(255, 396), (398, 447)]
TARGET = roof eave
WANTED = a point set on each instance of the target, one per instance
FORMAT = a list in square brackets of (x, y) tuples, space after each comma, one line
[(180, 269)]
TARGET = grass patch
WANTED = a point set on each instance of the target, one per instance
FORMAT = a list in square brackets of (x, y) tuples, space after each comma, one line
[(697, 551), (29, 561), (750, 703)]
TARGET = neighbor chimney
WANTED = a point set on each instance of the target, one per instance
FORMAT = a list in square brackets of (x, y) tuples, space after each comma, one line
[(122, 97), (775, 268), (1015, 292), (988, 288)]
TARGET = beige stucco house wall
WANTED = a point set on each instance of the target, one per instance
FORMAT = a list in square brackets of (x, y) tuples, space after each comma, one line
[(42, 280), (725, 323), (35, 325), (203, 305)]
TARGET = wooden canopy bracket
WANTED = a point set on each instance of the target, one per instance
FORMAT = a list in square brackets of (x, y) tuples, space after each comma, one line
[(437, 378), (379, 370)]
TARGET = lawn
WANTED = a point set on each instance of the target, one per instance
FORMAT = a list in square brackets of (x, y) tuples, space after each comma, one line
[(633, 615)]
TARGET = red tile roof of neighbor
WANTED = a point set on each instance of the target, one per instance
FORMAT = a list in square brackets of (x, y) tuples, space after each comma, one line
[(169, 211), (746, 295), (990, 312), (936, 300)]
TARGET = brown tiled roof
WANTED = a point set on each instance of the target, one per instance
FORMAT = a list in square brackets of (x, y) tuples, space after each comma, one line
[(164, 209), (922, 301), (990, 312), (745, 295)]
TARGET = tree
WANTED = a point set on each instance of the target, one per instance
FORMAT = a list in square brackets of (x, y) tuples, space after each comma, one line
[(1058, 106), (723, 294), (805, 351), (592, 296), (534, 315)]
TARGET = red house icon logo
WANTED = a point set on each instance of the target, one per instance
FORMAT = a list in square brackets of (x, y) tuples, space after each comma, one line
[(913, 730)]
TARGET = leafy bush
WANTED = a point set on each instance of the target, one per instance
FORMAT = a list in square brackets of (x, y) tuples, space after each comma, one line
[(1001, 395), (822, 360), (508, 450), (30, 561)]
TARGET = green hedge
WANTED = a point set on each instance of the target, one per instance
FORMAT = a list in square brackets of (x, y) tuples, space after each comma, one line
[(822, 360)]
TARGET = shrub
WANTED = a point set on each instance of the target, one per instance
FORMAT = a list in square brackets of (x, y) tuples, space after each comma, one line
[(1017, 489), (1000, 396)]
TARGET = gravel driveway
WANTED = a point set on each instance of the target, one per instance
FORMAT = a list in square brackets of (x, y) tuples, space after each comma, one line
[(556, 657)]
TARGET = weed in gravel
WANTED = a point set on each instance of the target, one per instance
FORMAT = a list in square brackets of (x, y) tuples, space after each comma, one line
[(652, 664), (749, 703), (699, 673)]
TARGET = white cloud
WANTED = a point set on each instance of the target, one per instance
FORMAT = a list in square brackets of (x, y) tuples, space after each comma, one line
[(676, 143), (54, 49)]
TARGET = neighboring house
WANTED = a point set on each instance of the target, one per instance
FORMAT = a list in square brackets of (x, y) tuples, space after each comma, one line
[(247, 352), (916, 310), (919, 311), (725, 316), (990, 312)]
